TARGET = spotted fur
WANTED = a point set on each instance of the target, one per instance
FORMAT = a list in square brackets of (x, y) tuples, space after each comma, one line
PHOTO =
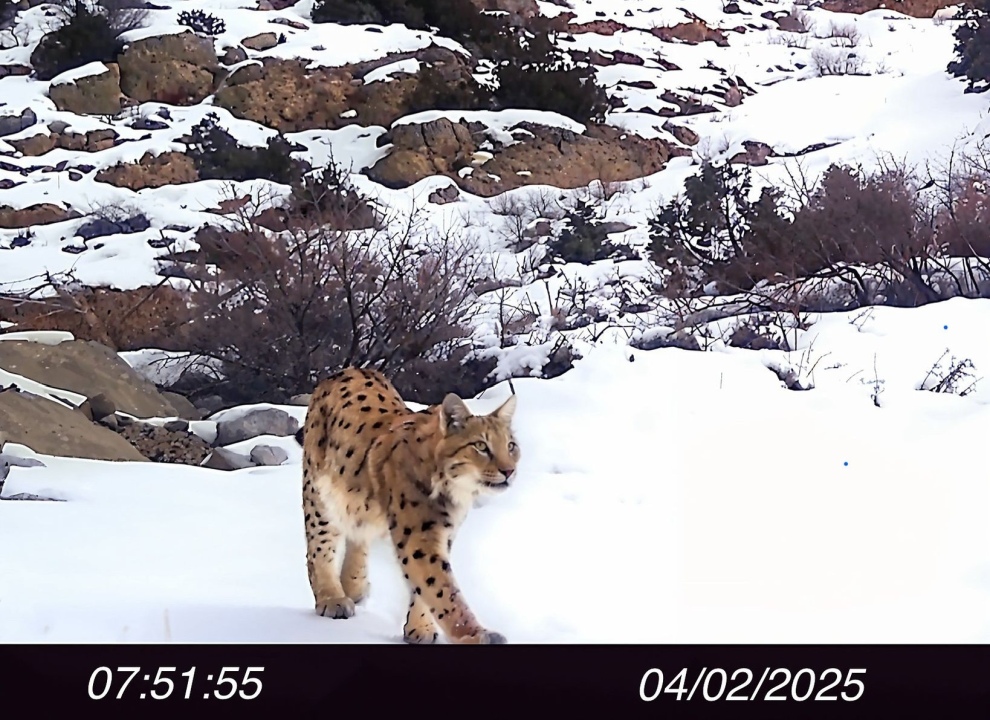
[(373, 468)]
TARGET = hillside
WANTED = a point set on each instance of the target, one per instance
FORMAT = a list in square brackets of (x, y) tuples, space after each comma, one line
[(764, 412)]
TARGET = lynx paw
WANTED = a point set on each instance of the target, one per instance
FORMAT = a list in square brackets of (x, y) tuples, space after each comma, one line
[(357, 593), (420, 637), (339, 608), (483, 637)]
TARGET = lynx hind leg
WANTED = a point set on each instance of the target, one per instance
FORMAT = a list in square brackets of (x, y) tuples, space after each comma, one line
[(354, 572), (419, 628), (326, 544)]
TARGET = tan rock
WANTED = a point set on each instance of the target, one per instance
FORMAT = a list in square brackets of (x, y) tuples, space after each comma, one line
[(168, 168), (86, 368), (550, 156), (90, 95), (261, 41), (179, 69), (39, 214), (50, 428)]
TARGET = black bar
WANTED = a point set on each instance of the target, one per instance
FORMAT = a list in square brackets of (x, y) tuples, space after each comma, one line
[(446, 681)]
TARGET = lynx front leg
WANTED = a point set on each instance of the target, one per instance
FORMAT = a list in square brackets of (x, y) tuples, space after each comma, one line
[(426, 563), (325, 543), (354, 573)]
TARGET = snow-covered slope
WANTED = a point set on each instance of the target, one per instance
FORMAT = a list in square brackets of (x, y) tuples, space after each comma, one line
[(900, 104), (663, 496)]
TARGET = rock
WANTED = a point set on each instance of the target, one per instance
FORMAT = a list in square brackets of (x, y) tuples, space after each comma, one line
[(40, 214), (11, 124), (160, 444), (97, 94), (184, 409), (223, 459), (110, 421), (691, 33), (445, 195), (755, 153), (41, 143), (179, 69), (86, 368), (545, 156), (102, 406), (151, 171), (288, 96), (14, 70), (517, 11), (234, 55), (684, 135), (14, 461), (262, 41), (268, 455), (99, 227), (262, 421), (50, 428), (176, 426), (301, 400)]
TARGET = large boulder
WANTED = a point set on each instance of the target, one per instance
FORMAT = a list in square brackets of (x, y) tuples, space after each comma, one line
[(39, 214), (88, 91), (179, 69), (151, 171), (85, 368), (543, 155), (235, 426), (50, 428)]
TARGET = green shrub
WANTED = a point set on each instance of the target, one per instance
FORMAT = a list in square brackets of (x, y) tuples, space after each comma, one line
[(218, 156), (85, 36), (972, 47)]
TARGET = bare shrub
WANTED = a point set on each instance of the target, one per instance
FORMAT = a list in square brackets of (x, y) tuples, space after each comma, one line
[(284, 307), (954, 377), (843, 35), (826, 61)]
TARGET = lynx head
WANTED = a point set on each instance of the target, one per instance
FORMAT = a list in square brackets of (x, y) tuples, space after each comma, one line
[(477, 454)]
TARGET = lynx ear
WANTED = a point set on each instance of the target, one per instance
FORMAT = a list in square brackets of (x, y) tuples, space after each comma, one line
[(506, 410), (453, 413)]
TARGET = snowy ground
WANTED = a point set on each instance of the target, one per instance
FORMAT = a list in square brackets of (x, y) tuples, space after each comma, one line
[(900, 104), (663, 496)]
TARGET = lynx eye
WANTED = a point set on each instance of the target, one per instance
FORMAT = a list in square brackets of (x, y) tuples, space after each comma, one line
[(512, 447), (482, 446)]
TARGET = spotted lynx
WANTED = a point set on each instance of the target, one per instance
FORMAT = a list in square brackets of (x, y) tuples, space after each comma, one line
[(373, 468)]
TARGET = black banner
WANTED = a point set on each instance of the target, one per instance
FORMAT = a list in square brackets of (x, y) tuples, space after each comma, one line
[(766, 681)]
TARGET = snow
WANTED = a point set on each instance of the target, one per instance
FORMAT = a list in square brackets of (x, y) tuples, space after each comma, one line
[(715, 520), (670, 483)]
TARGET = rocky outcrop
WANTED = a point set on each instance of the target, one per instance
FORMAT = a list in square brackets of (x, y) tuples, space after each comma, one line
[(14, 123), (50, 428), (180, 69), (543, 155), (92, 141), (40, 214), (88, 369), (914, 8), (288, 96), (151, 171), (97, 94)]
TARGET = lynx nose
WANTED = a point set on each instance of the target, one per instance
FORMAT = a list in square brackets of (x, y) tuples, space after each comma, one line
[(507, 472)]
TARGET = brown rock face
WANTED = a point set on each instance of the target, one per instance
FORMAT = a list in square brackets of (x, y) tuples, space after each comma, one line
[(168, 168), (50, 428), (262, 41), (177, 69), (692, 33), (86, 368), (550, 155), (92, 141), (914, 8), (40, 214), (755, 153), (286, 96), (90, 95)]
